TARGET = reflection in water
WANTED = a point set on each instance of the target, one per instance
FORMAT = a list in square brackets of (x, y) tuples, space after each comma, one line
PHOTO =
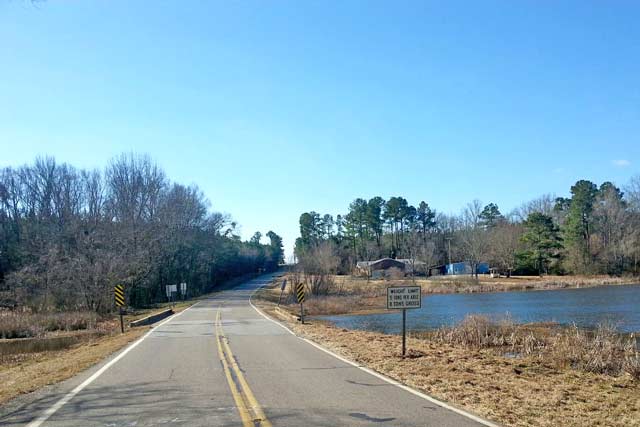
[(619, 305)]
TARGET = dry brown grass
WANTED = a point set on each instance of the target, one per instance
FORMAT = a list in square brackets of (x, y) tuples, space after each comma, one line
[(29, 372), (338, 305), (521, 391), (481, 332), (29, 364), (337, 302), (346, 295), (15, 324), (460, 284), (468, 284), (20, 349), (602, 351)]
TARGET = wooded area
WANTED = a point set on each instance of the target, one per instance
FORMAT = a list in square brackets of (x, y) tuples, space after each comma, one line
[(595, 231), (67, 236)]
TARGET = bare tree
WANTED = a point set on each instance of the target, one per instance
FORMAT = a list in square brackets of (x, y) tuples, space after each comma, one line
[(632, 191), (318, 265), (474, 239), (543, 204), (505, 243), (67, 236), (631, 240), (421, 253)]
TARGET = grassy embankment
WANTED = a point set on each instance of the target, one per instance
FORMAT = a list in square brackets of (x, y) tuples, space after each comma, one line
[(41, 349), (516, 375), (353, 295)]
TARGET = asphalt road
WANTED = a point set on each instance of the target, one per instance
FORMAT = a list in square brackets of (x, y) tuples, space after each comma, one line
[(222, 363)]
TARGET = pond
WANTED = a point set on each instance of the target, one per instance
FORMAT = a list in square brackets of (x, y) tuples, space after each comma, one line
[(586, 307)]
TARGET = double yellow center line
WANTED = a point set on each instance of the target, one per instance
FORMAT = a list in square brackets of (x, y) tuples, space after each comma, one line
[(251, 413)]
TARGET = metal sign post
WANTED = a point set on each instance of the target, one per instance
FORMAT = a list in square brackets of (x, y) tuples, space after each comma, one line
[(300, 298), (171, 289), (284, 285), (404, 331), (118, 294), (404, 297)]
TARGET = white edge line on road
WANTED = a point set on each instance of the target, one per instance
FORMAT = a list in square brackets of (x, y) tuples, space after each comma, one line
[(270, 319), (60, 403), (377, 374)]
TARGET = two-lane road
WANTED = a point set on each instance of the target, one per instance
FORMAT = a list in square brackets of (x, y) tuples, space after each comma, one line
[(222, 363)]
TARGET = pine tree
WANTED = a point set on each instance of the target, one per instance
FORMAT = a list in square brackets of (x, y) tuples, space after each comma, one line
[(543, 241)]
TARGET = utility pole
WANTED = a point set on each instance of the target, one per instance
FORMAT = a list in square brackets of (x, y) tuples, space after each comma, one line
[(449, 240)]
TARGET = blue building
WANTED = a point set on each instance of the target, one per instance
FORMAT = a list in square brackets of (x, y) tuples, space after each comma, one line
[(465, 268)]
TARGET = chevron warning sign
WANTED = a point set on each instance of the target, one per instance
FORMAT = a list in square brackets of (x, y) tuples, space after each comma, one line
[(300, 293), (118, 292)]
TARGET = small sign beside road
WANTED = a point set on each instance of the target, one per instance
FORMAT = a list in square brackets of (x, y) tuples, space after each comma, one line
[(170, 290), (404, 297), (118, 294), (300, 293), (401, 297), (300, 299)]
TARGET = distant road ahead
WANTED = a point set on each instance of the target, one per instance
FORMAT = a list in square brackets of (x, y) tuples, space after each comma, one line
[(221, 363)]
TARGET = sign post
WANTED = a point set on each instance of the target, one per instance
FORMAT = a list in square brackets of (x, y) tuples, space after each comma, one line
[(118, 294), (171, 289), (404, 332), (404, 297), (284, 285), (300, 299)]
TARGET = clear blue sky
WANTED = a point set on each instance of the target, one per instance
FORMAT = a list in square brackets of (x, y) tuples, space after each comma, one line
[(275, 108)]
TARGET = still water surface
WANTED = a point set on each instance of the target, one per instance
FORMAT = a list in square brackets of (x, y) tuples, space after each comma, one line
[(585, 307)]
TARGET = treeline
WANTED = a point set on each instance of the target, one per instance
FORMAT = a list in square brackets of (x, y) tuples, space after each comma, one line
[(596, 230), (67, 236)]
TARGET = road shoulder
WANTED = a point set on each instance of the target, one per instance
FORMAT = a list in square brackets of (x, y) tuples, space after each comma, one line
[(309, 333)]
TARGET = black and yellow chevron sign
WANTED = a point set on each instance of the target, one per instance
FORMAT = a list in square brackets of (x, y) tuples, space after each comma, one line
[(300, 293), (118, 292)]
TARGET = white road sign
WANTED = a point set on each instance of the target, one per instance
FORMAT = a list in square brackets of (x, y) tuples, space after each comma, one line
[(399, 297), (170, 289), (183, 288)]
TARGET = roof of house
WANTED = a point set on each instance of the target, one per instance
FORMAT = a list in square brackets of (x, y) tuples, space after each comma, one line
[(402, 260), (384, 263), (411, 261)]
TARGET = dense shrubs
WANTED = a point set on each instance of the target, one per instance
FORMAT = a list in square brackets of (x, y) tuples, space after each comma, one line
[(25, 325)]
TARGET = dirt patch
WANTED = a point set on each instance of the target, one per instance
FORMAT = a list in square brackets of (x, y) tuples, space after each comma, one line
[(514, 391)]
